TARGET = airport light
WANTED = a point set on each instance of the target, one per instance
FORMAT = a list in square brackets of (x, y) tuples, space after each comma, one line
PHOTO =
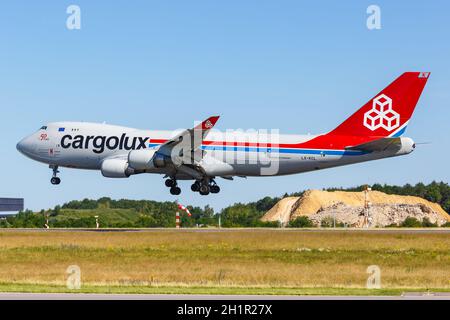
[(46, 225)]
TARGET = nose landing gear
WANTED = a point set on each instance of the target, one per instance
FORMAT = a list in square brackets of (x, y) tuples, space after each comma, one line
[(55, 180)]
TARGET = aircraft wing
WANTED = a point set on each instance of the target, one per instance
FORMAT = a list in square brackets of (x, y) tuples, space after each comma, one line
[(382, 144), (184, 147)]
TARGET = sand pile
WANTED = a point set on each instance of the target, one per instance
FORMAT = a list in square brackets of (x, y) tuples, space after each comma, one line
[(348, 207)]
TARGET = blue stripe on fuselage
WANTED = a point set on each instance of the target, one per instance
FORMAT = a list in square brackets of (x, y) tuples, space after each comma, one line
[(282, 150)]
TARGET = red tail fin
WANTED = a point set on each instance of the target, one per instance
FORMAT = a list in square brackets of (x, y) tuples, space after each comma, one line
[(388, 113)]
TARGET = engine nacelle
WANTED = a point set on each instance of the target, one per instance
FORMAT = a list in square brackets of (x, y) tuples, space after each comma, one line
[(142, 159), (116, 168)]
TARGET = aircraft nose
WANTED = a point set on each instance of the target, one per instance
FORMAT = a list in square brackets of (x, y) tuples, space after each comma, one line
[(19, 145), (24, 145)]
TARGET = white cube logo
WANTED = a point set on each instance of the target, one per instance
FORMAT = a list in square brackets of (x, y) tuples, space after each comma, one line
[(381, 115)]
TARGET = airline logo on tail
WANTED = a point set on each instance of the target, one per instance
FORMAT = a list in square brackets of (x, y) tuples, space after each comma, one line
[(208, 124), (381, 115)]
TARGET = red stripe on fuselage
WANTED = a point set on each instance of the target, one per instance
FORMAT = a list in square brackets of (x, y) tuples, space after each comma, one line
[(326, 141)]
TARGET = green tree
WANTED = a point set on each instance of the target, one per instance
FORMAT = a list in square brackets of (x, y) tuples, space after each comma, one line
[(57, 210), (240, 215), (411, 222), (426, 223), (301, 222)]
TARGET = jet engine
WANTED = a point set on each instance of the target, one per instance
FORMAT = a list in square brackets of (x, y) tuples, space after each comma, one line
[(147, 159), (116, 168)]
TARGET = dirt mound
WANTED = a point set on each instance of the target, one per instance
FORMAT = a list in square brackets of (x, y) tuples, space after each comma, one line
[(348, 207), (281, 211)]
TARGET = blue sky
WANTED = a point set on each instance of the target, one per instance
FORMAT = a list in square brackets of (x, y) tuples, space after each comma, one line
[(302, 67)]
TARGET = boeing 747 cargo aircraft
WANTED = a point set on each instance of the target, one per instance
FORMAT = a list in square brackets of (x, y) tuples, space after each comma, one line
[(202, 154)]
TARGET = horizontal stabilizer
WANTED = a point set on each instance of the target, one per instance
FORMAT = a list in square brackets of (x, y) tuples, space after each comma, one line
[(382, 144)]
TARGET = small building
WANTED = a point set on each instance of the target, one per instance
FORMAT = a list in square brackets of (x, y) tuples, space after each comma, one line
[(10, 205)]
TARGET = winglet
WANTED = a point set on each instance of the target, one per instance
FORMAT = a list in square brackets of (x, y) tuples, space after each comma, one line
[(208, 123)]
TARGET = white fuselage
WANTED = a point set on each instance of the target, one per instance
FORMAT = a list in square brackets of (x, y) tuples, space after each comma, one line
[(87, 145)]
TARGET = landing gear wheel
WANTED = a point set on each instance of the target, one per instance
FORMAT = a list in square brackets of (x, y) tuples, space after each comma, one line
[(175, 191), (204, 189), (195, 187), (54, 180), (215, 189), (170, 183)]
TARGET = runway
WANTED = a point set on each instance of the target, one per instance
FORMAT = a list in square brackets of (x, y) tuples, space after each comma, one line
[(184, 297)]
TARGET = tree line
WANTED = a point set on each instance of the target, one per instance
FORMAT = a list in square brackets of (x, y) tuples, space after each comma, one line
[(150, 214)]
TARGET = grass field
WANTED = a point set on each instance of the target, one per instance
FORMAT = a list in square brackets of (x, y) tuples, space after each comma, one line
[(236, 261), (107, 216)]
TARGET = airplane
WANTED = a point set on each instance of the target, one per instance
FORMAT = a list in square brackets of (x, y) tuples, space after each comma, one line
[(203, 154)]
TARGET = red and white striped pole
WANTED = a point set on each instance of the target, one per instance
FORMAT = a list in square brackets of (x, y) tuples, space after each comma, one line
[(177, 220)]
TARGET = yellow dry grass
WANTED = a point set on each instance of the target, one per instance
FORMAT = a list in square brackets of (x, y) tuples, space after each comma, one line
[(245, 258)]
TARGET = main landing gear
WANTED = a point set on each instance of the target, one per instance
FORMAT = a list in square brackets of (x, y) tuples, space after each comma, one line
[(55, 179), (172, 184), (204, 188)]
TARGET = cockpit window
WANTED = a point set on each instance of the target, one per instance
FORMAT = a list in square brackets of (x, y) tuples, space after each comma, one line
[(43, 128)]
